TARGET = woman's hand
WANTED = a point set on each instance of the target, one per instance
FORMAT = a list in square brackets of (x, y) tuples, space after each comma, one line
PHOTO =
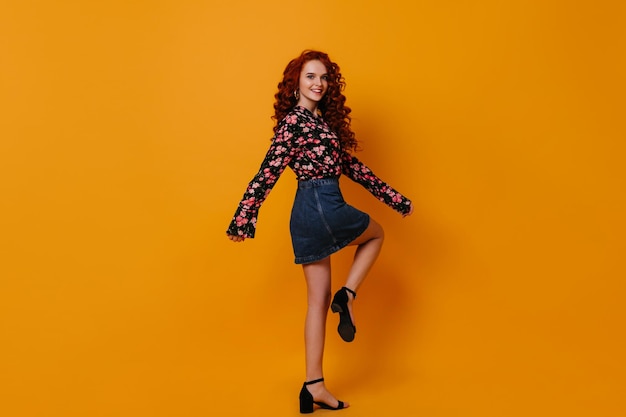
[(410, 211), (235, 238)]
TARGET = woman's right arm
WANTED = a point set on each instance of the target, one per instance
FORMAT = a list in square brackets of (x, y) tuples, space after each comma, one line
[(280, 153)]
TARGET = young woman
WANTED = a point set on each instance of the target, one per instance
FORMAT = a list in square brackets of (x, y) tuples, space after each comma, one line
[(312, 136)]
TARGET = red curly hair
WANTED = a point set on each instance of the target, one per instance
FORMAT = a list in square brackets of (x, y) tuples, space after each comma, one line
[(332, 106)]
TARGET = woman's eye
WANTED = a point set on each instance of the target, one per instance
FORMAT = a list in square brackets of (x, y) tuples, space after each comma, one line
[(325, 77)]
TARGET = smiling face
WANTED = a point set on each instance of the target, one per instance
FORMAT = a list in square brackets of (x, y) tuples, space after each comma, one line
[(313, 84)]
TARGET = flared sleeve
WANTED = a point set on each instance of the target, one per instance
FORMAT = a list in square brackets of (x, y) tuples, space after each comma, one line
[(278, 157)]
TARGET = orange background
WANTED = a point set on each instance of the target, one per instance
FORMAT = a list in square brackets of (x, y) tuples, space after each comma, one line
[(129, 129)]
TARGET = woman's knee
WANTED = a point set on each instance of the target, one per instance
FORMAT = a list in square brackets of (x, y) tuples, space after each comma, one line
[(319, 300), (377, 230), (317, 275), (374, 231)]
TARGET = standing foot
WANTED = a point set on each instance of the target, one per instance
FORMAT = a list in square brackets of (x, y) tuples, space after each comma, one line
[(314, 393)]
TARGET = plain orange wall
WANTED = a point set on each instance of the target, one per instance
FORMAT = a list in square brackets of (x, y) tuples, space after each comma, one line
[(129, 129)]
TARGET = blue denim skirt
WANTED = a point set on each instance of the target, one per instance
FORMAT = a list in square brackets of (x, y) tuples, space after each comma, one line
[(321, 221)]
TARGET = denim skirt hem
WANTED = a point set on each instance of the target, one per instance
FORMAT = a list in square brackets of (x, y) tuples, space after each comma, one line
[(322, 223)]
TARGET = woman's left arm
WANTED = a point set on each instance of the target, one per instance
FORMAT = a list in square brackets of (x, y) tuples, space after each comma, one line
[(361, 174)]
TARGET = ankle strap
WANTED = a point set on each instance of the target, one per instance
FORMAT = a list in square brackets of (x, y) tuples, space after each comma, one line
[(350, 291), (315, 381)]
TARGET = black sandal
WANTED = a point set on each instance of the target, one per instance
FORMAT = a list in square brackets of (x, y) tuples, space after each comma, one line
[(346, 328), (306, 399)]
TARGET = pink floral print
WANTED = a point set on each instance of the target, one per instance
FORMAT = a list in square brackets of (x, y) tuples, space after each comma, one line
[(306, 144)]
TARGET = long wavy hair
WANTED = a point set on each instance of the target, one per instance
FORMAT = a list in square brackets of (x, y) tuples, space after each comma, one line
[(332, 106)]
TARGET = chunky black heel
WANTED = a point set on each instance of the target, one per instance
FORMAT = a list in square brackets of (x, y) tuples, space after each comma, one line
[(346, 328), (306, 399)]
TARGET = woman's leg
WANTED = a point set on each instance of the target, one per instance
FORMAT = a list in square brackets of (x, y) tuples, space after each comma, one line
[(369, 244), (317, 275)]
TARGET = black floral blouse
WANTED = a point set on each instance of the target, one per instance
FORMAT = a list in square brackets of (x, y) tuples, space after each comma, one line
[(306, 144)]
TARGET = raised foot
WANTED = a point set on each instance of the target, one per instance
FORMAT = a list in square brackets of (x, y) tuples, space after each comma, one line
[(342, 304)]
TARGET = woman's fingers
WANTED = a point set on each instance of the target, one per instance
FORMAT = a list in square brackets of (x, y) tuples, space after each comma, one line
[(410, 211), (236, 238)]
